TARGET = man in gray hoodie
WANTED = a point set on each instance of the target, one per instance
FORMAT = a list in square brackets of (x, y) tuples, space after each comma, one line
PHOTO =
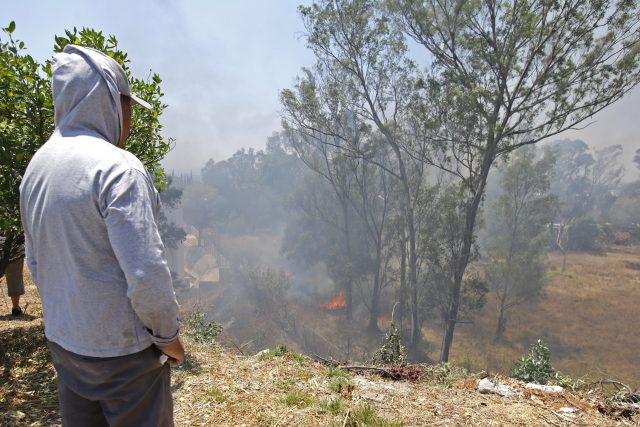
[(89, 212)]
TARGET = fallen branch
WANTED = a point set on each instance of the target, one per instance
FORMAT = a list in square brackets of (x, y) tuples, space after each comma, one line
[(617, 409), (381, 371), (549, 421), (227, 338), (618, 385), (324, 361)]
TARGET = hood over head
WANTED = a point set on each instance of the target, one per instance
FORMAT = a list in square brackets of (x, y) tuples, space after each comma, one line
[(86, 87)]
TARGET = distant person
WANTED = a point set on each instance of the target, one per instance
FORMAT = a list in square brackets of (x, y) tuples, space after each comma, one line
[(89, 212), (14, 278)]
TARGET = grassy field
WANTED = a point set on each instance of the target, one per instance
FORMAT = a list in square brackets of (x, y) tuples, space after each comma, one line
[(589, 317)]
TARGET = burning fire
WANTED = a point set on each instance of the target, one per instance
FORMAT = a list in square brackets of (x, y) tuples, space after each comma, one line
[(336, 302)]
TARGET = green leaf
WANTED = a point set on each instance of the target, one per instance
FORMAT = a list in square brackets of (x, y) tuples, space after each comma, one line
[(11, 27)]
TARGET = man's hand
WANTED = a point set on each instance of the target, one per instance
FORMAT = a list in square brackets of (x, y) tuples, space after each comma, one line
[(174, 350)]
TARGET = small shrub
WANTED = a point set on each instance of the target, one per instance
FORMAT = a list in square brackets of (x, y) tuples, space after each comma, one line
[(214, 394), (298, 399), (367, 416), (392, 351), (298, 358), (535, 367), (270, 287), (279, 351), (338, 384), (334, 406), (287, 384), (188, 365), (201, 332), (304, 375), (336, 372)]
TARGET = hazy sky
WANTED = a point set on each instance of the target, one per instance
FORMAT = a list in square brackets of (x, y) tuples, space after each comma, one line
[(223, 63)]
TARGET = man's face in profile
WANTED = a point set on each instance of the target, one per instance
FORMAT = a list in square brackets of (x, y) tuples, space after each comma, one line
[(125, 103)]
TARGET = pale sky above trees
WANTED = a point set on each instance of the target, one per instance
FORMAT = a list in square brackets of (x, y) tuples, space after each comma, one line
[(223, 64)]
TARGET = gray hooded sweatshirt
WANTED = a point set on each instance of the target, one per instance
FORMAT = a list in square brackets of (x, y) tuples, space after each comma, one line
[(89, 212)]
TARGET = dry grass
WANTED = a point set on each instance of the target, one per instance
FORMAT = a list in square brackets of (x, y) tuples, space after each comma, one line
[(27, 378), (224, 389), (588, 317)]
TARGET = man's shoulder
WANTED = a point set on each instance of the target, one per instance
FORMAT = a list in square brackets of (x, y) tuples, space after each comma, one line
[(132, 161), (90, 150)]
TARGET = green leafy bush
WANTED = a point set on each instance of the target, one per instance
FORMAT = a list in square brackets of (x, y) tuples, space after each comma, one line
[(535, 367), (201, 332), (392, 351), (278, 351)]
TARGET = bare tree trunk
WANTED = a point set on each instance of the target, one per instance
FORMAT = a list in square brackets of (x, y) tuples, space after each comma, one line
[(408, 216), (374, 313), (348, 283), (413, 284), (502, 320), (403, 280), (463, 260), (561, 233)]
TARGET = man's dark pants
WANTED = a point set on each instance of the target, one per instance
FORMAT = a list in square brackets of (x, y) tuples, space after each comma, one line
[(132, 390)]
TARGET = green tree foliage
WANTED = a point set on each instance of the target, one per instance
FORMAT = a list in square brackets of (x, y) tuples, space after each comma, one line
[(248, 192), (499, 76), (26, 121), (316, 232), (362, 80), (441, 238), (584, 235), (586, 185), (624, 212), (506, 74), (172, 234), (26, 118), (518, 226), (625, 215)]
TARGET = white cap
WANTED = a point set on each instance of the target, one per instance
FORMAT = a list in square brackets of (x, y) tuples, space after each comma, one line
[(139, 101)]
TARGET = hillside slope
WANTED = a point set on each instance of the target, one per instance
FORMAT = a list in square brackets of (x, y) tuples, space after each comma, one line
[(220, 388)]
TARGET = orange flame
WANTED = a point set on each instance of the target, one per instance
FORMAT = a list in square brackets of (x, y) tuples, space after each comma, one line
[(336, 302)]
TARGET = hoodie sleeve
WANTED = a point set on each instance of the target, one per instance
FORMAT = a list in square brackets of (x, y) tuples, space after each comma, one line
[(131, 204)]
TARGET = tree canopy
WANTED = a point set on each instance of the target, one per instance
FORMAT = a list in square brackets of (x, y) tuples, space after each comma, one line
[(26, 118), (496, 76)]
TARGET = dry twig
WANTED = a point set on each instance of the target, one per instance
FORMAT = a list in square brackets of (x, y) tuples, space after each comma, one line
[(346, 417)]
